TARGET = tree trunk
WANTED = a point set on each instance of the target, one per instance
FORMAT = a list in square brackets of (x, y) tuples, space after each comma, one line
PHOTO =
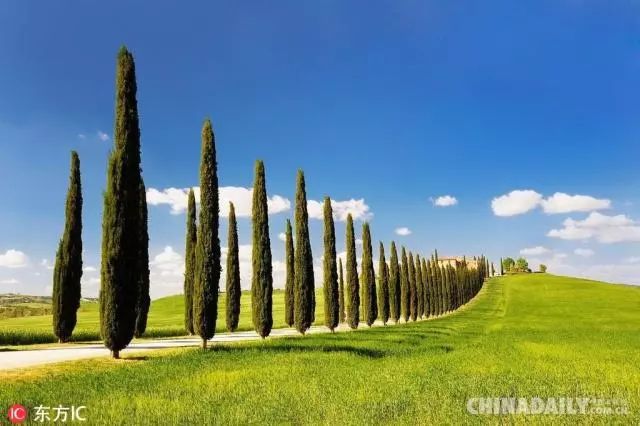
[(204, 343), (115, 354)]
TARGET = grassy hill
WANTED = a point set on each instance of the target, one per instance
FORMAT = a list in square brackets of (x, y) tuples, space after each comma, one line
[(523, 336), (166, 318)]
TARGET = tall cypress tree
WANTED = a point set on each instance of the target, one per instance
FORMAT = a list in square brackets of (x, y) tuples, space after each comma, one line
[(370, 301), (493, 270), (190, 262), (419, 288), (394, 284), (68, 268), (262, 280), (353, 286), (383, 288), (343, 308), (207, 277), (405, 301), (413, 300), (330, 285), (425, 287), (501, 267), (120, 271), (304, 279), (233, 273), (142, 307), (290, 280)]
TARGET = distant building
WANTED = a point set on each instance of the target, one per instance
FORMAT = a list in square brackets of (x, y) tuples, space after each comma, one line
[(458, 260)]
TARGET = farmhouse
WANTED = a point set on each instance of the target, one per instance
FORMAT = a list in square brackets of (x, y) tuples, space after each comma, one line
[(458, 260)]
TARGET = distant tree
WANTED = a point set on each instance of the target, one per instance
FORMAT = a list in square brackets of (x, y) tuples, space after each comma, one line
[(120, 271), (426, 287), (233, 273), (522, 265), (304, 279), (501, 267), (543, 268), (383, 286), (262, 279), (289, 292), (67, 272), (330, 285), (353, 286), (207, 277), (343, 308), (394, 284), (508, 264), (190, 262), (144, 300), (419, 288), (413, 299), (405, 295), (368, 278), (493, 270)]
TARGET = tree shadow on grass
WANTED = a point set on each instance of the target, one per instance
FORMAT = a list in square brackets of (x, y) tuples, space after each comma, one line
[(302, 348)]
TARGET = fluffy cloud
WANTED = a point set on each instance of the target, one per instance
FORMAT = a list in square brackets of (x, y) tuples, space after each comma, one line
[(10, 281), (404, 231), (584, 252), (444, 201), (341, 209), (603, 228), (102, 136), (282, 236), (241, 198), (14, 259), (564, 203), (534, 251), (90, 269), (522, 201), (516, 202)]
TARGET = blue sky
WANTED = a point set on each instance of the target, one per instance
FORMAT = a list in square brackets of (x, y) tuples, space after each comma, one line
[(392, 103)]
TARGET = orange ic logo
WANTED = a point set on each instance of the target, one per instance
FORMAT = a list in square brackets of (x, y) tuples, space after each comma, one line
[(17, 414)]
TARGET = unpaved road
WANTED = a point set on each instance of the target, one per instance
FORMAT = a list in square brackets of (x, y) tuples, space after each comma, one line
[(28, 358)]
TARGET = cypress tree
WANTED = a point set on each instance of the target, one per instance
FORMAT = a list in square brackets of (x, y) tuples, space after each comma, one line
[(68, 268), (233, 273), (142, 308), (343, 309), (405, 296), (501, 267), (304, 300), (207, 277), (383, 290), (425, 287), (493, 270), (190, 262), (419, 288), (120, 271), (330, 286), (262, 280), (353, 290), (290, 282), (368, 277), (394, 284), (413, 300)]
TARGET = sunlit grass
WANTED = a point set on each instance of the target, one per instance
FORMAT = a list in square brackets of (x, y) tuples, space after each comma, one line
[(523, 336)]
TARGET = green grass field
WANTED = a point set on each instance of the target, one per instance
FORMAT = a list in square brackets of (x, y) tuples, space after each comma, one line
[(166, 318), (523, 336)]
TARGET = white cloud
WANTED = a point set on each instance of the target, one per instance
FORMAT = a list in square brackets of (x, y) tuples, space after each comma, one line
[(632, 259), (522, 201), (14, 259), (102, 136), (45, 264), (584, 252), (82, 136), (605, 229), (358, 208), (534, 251), (241, 197), (445, 201), (282, 236), (404, 231), (10, 281), (358, 241), (515, 203), (90, 269), (565, 203)]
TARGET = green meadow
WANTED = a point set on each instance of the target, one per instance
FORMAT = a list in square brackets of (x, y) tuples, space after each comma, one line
[(166, 319), (523, 336)]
